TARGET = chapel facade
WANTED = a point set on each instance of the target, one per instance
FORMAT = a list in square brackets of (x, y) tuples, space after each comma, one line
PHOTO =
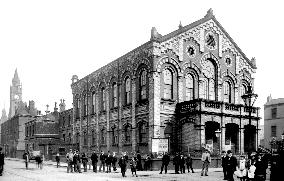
[(180, 92)]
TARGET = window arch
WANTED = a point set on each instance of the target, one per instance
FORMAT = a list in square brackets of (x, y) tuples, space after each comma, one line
[(168, 83), (227, 92), (103, 136), (142, 85), (189, 87), (103, 98), (93, 102), (127, 133), (243, 90), (114, 95), (210, 74), (127, 90), (142, 132), (85, 138), (77, 107), (114, 135), (85, 103), (93, 137)]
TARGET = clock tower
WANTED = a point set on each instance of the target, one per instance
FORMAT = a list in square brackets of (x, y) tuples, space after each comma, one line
[(15, 94)]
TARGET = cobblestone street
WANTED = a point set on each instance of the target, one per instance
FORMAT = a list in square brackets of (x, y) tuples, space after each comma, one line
[(15, 170)]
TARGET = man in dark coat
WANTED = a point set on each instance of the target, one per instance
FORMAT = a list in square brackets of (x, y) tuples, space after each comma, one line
[(1, 161), (182, 164), (94, 159), (261, 166), (123, 163), (102, 161), (188, 162), (224, 164), (165, 162), (231, 165), (114, 160), (176, 162), (139, 161), (77, 161), (108, 162), (84, 161)]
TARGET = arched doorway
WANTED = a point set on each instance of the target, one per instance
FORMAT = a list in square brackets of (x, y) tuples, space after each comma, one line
[(249, 138), (211, 140), (232, 136)]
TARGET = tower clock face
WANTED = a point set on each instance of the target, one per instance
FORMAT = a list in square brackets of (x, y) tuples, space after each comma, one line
[(16, 97)]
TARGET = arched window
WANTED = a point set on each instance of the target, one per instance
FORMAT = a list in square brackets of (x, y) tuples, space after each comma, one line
[(77, 108), (69, 137), (142, 133), (78, 137), (227, 92), (93, 102), (127, 90), (243, 90), (209, 72), (114, 95), (85, 138), (114, 135), (85, 105), (127, 133), (93, 137), (103, 99), (103, 136), (168, 84), (142, 85), (189, 88), (203, 89)]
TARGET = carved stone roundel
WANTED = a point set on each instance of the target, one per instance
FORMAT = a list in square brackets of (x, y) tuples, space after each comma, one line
[(191, 51)]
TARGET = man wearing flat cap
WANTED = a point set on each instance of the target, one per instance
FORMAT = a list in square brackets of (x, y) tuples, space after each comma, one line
[(231, 165)]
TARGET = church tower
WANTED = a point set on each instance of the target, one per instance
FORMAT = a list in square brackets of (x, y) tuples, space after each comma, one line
[(15, 94)]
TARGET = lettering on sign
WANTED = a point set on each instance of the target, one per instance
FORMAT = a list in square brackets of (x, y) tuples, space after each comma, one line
[(160, 145)]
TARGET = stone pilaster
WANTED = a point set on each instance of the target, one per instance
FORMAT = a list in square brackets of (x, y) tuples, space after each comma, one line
[(180, 89), (154, 107), (134, 142), (97, 121), (80, 123), (202, 131), (107, 117), (119, 117), (180, 49)]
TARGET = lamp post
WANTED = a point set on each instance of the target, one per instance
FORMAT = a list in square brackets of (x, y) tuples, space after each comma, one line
[(249, 99)]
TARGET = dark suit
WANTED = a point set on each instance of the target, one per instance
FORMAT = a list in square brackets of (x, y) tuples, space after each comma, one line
[(224, 165), (231, 167), (165, 163), (1, 163), (94, 159)]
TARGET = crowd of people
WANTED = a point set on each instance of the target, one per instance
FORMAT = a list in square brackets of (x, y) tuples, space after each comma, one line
[(251, 167), (105, 162)]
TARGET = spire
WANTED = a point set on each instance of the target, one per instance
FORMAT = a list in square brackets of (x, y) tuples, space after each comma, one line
[(16, 80), (180, 25), (4, 116), (209, 13)]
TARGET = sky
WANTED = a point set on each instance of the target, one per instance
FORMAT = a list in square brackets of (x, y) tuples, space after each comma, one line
[(49, 41)]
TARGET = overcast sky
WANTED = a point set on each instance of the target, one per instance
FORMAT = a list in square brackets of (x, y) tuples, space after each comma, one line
[(49, 41)]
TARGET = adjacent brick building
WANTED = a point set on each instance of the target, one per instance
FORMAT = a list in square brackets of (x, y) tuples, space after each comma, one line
[(182, 87), (42, 134), (273, 120)]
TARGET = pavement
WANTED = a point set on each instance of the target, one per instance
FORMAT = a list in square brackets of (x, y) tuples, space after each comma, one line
[(15, 171)]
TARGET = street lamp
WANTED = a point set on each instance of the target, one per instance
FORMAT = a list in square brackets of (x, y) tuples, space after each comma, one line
[(249, 99)]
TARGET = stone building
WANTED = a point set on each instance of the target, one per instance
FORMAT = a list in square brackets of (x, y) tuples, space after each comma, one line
[(176, 92), (2, 120), (273, 120), (13, 130)]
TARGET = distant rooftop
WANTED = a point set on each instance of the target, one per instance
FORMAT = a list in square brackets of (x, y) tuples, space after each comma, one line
[(274, 101)]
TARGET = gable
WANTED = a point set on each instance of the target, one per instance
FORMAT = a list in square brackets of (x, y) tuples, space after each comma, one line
[(198, 31)]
